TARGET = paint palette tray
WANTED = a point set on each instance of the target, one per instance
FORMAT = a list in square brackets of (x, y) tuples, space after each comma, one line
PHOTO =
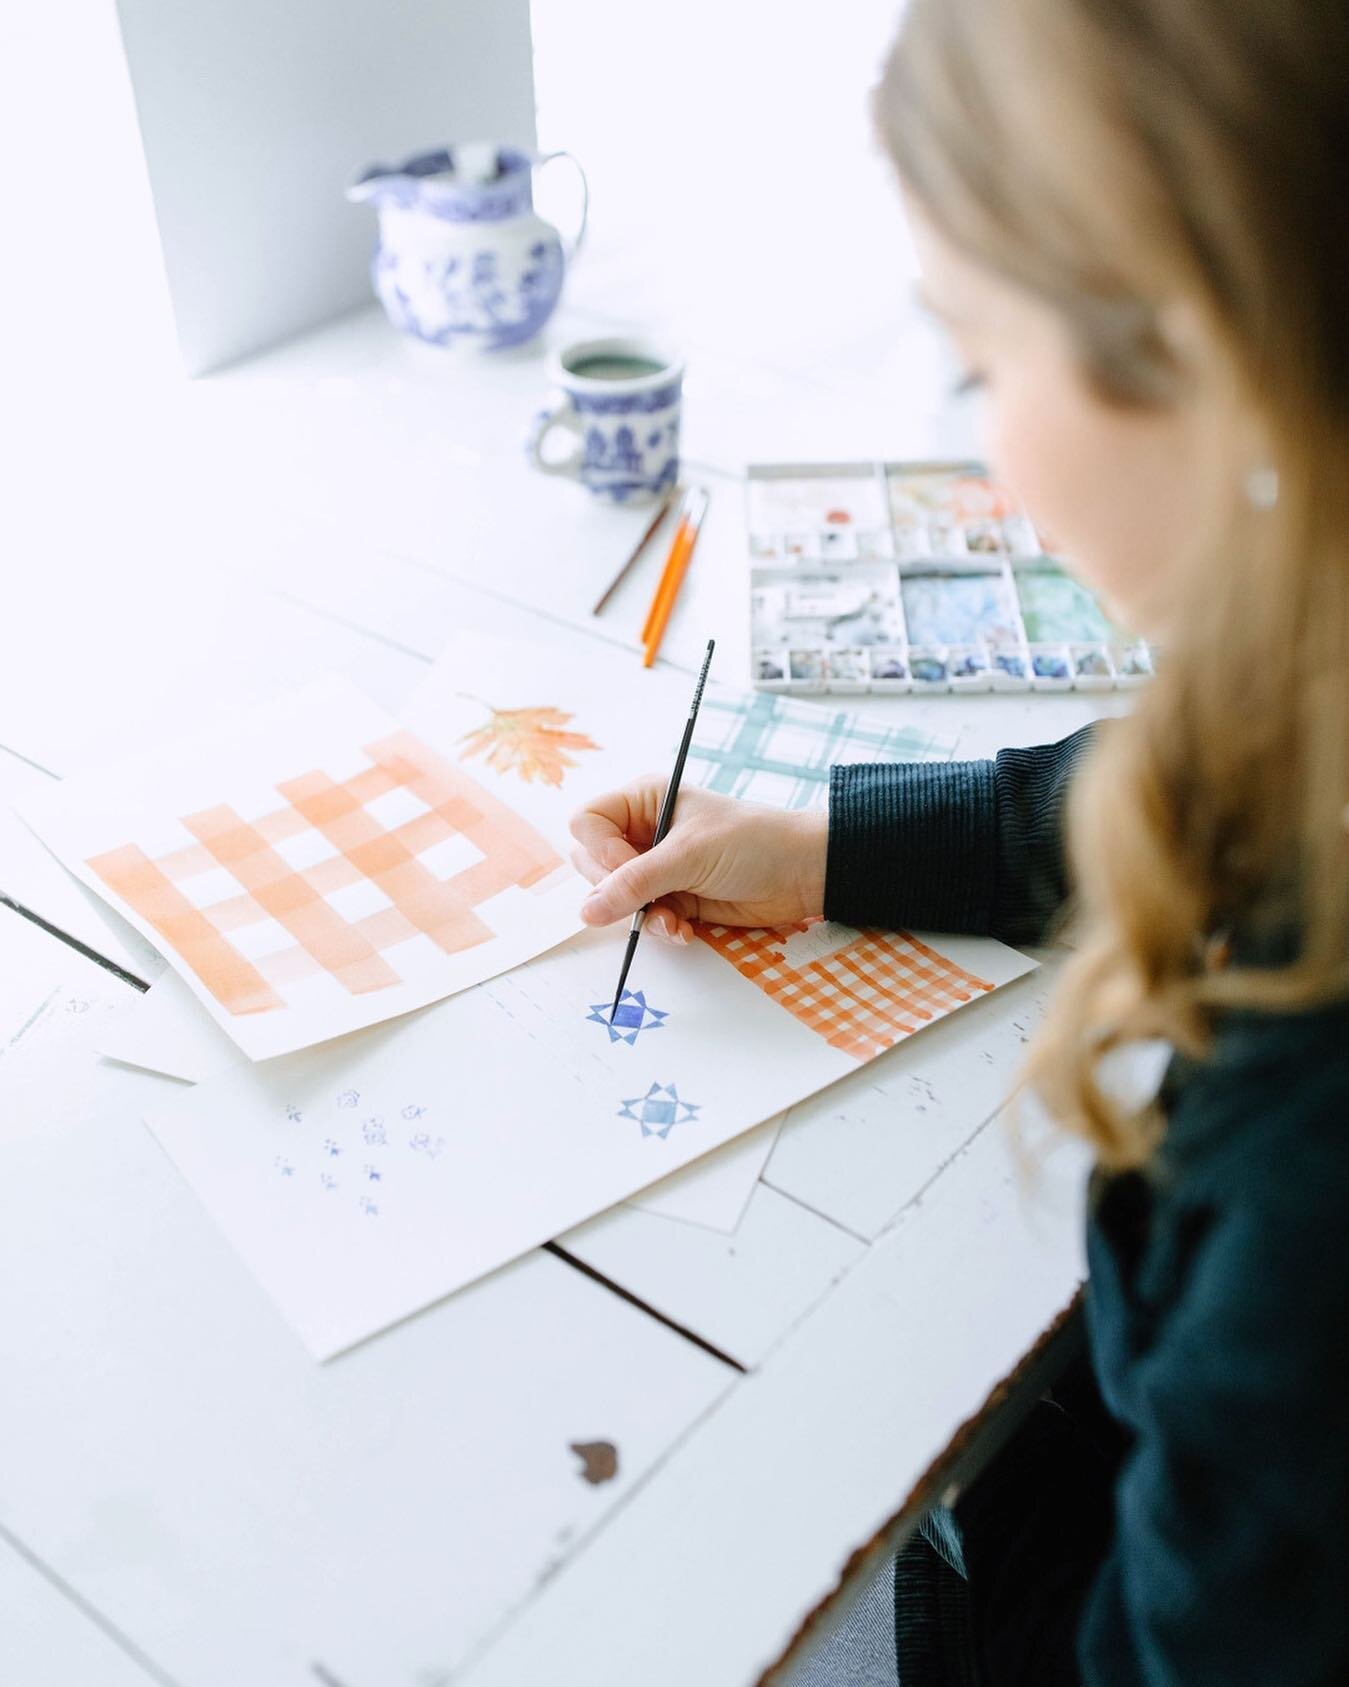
[(894, 577)]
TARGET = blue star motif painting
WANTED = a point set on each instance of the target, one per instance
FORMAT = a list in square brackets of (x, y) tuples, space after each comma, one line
[(631, 1017), (659, 1110)]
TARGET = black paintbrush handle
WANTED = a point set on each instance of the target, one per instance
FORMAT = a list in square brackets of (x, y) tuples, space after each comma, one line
[(664, 818), (666, 814)]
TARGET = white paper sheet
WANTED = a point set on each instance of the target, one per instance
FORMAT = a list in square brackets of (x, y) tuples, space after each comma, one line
[(168, 1031), (715, 1190), (36, 881), (482, 695), (362, 1181), (313, 868)]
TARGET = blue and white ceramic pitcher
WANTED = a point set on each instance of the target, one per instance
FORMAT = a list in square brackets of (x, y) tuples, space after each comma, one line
[(463, 259)]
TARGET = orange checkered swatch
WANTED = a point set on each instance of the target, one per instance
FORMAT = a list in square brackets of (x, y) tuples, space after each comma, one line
[(863, 997), (353, 848)]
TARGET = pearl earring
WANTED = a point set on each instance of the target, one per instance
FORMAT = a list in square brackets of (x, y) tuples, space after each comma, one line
[(1262, 487)]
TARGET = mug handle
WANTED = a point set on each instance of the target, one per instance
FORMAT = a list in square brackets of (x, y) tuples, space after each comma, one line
[(574, 246), (562, 416)]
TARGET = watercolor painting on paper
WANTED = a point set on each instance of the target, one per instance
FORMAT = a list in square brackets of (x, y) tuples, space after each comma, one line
[(532, 743), (314, 868), (862, 991), (353, 1213)]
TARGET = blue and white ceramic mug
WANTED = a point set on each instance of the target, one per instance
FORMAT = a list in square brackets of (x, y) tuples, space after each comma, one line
[(620, 403)]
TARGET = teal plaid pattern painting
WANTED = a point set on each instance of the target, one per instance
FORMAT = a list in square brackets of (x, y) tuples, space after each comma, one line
[(769, 749)]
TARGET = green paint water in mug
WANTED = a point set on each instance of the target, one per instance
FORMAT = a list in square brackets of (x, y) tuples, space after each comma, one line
[(614, 368)]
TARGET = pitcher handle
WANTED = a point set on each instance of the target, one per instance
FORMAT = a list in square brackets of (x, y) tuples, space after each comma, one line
[(574, 246)]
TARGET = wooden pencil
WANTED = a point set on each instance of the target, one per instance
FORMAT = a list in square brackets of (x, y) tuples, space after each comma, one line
[(681, 528), (681, 554)]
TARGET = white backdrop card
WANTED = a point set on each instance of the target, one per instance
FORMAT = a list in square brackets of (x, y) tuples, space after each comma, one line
[(362, 1181), (313, 867)]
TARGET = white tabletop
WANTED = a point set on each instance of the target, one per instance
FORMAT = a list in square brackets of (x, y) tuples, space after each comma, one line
[(188, 1498)]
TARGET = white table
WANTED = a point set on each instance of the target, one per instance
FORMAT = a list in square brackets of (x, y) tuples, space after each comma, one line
[(186, 1497)]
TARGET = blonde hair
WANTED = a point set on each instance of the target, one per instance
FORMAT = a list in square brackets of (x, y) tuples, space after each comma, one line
[(1140, 164)]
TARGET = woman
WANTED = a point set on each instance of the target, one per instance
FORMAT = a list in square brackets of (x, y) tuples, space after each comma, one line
[(1131, 214)]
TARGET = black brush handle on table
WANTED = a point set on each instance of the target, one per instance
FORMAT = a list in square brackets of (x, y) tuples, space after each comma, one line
[(663, 819)]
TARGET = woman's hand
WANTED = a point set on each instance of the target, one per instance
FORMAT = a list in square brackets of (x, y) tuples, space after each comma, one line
[(722, 861)]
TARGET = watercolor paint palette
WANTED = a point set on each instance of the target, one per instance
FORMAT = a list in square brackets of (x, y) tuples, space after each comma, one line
[(894, 577)]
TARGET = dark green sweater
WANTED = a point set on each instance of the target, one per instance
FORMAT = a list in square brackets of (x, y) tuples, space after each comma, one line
[(1217, 1550)]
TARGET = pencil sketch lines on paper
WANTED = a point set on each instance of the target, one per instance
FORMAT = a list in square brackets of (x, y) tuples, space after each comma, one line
[(631, 1017), (530, 743), (331, 882), (373, 1133), (659, 1110), (862, 995), (768, 749)]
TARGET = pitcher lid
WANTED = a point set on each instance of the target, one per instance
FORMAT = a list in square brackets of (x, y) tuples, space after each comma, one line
[(444, 174)]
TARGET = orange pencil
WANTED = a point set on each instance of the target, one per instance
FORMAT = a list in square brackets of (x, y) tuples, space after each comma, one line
[(681, 527), (679, 547), (681, 554)]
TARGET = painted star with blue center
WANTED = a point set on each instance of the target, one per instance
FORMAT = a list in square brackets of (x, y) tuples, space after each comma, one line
[(659, 1110), (631, 1017)]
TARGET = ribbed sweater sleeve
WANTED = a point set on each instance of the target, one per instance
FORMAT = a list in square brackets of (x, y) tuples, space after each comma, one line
[(972, 846)]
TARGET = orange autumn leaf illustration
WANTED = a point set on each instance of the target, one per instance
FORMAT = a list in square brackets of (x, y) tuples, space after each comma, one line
[(528, 742)]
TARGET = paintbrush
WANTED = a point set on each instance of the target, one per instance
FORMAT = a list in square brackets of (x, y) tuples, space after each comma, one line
[(642, 543), (663, 820)]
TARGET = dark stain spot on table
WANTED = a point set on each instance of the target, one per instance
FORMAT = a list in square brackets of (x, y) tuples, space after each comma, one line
[(599, 1461)]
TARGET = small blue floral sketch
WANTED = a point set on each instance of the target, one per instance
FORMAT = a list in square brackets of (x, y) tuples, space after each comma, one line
[(284, 1166), (632, 1016), (368, 1207), (659, 1110), (294, 1114), (412, 1111), (422, 1143), (348, 1098), (373, 1173), (373, 1132), (330, 1148), (327, 1180)]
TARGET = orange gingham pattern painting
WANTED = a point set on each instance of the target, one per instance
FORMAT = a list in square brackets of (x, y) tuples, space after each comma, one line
[(862, 998), (322, 940)]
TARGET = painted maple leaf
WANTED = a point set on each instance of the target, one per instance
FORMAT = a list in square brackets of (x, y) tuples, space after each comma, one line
[(530, 743)]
